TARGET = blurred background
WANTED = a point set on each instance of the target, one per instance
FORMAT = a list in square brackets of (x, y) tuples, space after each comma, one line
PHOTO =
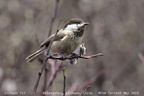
[(116, 29)]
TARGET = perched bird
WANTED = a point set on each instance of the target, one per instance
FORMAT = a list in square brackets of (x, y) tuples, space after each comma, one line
[(65, 42)]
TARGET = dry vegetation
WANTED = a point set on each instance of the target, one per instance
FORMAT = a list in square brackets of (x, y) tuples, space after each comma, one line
[(116, 29)]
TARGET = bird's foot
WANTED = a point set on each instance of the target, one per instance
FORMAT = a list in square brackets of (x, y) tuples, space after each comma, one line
[(74, 55), (63, 57)]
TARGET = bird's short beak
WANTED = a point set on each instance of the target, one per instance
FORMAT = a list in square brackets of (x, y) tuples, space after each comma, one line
[(86, 23)]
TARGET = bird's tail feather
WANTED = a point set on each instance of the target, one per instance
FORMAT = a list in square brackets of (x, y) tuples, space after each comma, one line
[(31, 57)]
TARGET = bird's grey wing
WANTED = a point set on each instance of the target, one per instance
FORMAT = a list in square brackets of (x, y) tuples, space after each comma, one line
[(56, 38)]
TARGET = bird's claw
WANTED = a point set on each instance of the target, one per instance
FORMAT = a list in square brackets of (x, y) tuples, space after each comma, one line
[(74, 55)]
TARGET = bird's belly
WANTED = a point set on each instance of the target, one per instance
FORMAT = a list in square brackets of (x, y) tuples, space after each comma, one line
[(65, 46)]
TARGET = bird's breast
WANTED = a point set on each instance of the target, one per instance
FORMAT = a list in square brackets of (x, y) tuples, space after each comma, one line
[(66, 45)]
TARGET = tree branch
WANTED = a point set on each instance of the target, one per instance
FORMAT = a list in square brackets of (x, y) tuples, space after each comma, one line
[(53, 18), (64, 82), (73, 56), (91, 81), (54, 71), (45, 59), (85, 90)]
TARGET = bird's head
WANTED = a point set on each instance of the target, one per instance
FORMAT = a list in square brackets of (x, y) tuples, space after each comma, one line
[(75, 25)]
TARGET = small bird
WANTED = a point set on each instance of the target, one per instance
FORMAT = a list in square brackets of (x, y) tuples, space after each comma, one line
[(65, 42)]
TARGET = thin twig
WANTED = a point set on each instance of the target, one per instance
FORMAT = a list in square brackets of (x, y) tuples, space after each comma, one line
[(45, 59), (53, 38), (74, 56), (45, 78), (75, 86), (64, 82), (44, 67), (37, 40), (85, 90), (54, 71), (53, 18), (4, 54), (72, 88), (39, 76), (47, 53), (91, 81)]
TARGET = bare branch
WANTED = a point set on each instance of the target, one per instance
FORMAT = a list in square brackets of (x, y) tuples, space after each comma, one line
[(37, 40), (53, 18), (64, 82), (39, 76), (72, 88), (2, 57), (56, 8), (85, 90), (54, 71), (45, 78), (53, 39), (75, 86), (91, 81), (73, 56), (45, 59)]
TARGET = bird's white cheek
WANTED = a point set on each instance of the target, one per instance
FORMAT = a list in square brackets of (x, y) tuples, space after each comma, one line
[(72, 27)]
